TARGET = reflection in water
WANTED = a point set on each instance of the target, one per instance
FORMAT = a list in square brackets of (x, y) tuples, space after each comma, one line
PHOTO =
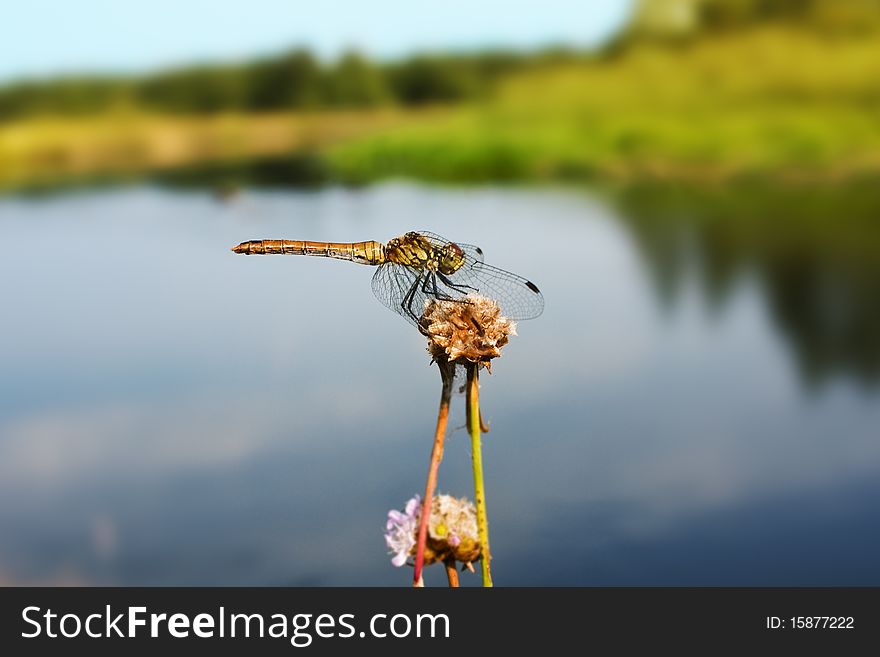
[(171, 413), (815, 253)]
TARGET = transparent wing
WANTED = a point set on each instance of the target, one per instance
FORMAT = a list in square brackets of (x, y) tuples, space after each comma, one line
[(391, 285), (474, 252), (406, 291), (518, 297)]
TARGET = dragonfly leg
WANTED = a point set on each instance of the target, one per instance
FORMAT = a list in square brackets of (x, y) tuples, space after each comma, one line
[(434, 291), (442, 296), (410, 296), (463, 289)]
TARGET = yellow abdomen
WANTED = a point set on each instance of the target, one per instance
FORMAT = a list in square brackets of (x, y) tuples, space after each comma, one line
[(365, 253)]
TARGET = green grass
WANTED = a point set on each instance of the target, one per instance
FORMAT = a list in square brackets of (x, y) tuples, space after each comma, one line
[(772, 102)]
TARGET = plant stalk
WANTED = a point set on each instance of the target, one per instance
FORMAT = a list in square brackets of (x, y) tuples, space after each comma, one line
[(451, 572), (475, 429), (447, 371)]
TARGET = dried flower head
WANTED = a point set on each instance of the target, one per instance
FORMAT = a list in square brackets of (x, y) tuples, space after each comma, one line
[(471, 328), (452, 531)]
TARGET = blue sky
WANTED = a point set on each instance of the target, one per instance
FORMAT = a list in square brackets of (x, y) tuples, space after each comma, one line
[(45, 38)]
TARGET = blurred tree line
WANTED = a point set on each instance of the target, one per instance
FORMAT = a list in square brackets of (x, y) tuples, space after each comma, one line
[(294, 80)]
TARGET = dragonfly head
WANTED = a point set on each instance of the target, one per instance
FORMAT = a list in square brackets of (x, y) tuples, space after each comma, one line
[(450, 258)]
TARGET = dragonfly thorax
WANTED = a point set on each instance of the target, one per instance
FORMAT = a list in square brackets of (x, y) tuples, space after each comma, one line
[(416, 251)]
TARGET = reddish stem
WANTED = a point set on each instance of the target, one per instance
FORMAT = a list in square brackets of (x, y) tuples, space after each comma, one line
[(451, 572), (446, 375)]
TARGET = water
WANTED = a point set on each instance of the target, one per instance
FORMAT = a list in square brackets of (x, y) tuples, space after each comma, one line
[(698, 405)]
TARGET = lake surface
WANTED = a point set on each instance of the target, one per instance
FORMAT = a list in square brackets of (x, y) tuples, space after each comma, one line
[(698, 404)]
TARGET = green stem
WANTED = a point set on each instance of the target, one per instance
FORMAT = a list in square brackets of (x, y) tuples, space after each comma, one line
[(473, 421)]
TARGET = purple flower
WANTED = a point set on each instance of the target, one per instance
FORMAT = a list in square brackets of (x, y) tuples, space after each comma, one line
[(452, 530), (400, 531)]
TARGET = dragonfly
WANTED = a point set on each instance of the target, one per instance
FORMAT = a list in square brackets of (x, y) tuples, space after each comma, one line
[(417, 267)]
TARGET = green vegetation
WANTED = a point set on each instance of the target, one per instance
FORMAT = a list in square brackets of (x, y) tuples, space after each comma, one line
[(767, 101), (697, 90), (676, 19), (292, 81)]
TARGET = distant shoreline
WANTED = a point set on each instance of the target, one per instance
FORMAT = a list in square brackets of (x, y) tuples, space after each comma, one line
[(347, 147), (772, 104)]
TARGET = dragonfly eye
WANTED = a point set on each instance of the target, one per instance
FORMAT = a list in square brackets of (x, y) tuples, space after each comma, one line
[(451, 258)]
